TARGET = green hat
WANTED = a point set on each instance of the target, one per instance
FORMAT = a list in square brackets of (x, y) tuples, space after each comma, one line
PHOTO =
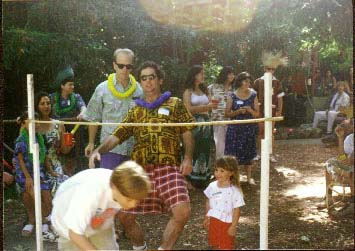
[(63, 76)]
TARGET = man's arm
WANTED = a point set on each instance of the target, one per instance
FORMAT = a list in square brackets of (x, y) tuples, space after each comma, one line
[(109, 143), (279, 106), (92, 134), (188, 142)]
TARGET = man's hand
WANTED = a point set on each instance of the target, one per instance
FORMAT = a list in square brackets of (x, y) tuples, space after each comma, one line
[(94, 156), (89, 149), (186, 165)]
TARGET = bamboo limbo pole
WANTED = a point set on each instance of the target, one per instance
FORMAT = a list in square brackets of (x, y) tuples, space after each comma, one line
[(34, 150), (209, 123), (265, 163)]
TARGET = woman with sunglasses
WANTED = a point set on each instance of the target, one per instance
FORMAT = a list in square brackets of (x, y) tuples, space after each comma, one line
[(68, 106), (197, 99)]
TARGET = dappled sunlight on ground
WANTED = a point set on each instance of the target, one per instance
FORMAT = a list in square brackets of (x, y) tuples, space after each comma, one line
[(286, 171), (314, 187), (309, 187)]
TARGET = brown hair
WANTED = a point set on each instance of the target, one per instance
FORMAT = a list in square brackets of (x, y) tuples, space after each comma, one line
[(229, 163), (131, 180)]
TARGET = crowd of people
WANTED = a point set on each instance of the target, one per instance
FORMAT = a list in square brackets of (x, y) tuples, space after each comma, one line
[(146, 169)]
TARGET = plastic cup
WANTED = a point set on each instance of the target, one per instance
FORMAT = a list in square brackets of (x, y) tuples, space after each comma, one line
[(215, 101), (68, 139)]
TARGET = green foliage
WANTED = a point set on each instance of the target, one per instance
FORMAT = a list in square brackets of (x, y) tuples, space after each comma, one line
[(41, 37), (211, 69)]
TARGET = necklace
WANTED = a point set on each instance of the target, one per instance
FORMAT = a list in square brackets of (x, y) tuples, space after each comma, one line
[(42, 148), (60, 110), (154, 104), (121, 95)]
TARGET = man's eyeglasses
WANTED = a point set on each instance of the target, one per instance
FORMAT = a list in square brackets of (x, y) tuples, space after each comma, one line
[(270, 69), (121, 66), (148, 77)]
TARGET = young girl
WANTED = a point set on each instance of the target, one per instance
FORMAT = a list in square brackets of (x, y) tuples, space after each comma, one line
[(23, 161), (224, 199), (85, 205)]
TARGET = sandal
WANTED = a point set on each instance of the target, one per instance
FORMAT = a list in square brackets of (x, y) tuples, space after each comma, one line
[(27, 230), (251, 182)]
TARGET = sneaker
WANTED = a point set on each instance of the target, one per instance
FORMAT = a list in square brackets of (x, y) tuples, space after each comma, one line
[(257, 157), (49, 236), (272, 159)]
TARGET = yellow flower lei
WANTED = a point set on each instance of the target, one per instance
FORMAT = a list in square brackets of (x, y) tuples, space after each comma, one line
[(125, 94)]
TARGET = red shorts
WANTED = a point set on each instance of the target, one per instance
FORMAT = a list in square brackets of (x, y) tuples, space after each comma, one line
[(218, 235), (168, 189)]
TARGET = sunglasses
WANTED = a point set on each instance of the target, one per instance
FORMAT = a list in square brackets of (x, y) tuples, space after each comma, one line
[(121, 66), (270, 69), (148, 77)]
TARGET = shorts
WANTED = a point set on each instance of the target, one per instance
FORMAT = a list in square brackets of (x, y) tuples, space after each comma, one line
[(112, 160), (168, 190), (218, 235)]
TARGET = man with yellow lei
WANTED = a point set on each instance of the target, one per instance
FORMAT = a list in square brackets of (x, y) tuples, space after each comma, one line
[(157, 149), (110, 102)]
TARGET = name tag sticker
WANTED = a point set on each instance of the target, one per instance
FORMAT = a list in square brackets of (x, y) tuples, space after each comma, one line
[(240, 102), (164, 111)]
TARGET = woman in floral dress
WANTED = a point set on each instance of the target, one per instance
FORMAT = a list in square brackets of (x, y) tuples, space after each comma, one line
[(53, 138), (197, 100), (241, 138)]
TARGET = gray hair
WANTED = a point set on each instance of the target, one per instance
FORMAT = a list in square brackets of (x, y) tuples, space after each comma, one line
[(123, 51)]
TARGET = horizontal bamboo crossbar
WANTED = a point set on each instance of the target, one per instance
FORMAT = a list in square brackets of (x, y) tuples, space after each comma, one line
[(223, 122)]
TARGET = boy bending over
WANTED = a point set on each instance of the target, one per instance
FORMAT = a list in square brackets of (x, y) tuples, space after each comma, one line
[(85, 205)]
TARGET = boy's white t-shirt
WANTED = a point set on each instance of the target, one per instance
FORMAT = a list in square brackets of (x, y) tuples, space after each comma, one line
[(223, 200), (81, 197)]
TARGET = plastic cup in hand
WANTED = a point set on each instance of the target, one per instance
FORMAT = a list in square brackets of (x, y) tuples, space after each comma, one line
[(215, 102), (68, 139)]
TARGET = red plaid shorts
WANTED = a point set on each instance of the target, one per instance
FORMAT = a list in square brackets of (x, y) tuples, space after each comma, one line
[(168, 189)]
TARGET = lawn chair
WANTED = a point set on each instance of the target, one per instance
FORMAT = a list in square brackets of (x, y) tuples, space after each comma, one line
[(339, 178)]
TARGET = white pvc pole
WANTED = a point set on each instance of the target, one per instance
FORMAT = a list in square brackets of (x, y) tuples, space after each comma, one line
[(34, 149), (266, 144)]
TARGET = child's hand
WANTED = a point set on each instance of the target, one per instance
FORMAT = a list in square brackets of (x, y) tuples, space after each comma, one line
[(232, 231), (206, 222)]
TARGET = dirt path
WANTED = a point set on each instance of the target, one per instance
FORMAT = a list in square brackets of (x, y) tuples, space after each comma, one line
[(296, 187)]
